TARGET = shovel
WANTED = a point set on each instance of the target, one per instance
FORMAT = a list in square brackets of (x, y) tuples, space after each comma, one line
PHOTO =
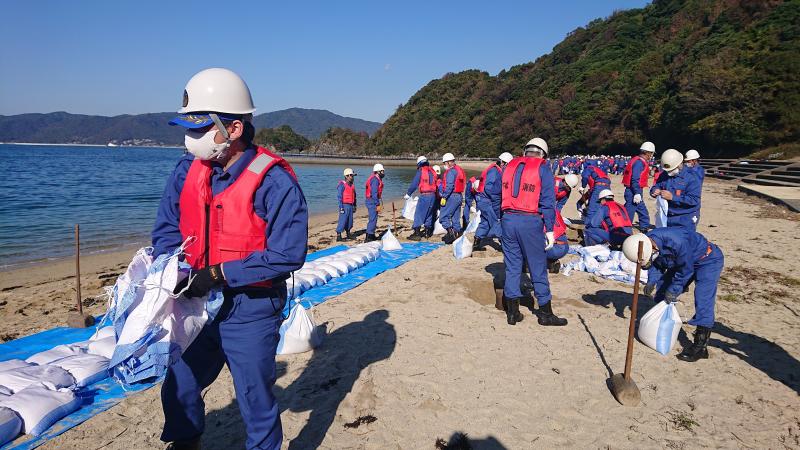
[(623, 387), (394, 218)]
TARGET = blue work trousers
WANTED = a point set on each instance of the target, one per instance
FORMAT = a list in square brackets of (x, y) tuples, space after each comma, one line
[(424, 213), (523, 243), (245, 336), (345, 219), (640, 209), (372, 221), (490, 223), (594, 203), (558, 251), (688, 221), (706, 277), (450, 214)]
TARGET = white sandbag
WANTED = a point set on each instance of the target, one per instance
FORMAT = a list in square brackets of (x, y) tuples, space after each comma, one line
[(332, 271), (306, 280), (12, 364), (22, 377), (389, 242), (659, 328), (410, 208), (599, 252), (352, 264), (309, 265), (462, 247), (40, 406), (341, 266), (319, 277), (438, 228), (102, 347), (474, 221), (103, 333), (358, 256), (298, 332), (10, 425), (86, 369), (662, 207), (57, 352), (373, 244), (5, 391), (366, 254)]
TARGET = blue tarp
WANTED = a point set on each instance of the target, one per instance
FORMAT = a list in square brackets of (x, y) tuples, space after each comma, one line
[(107, 393)]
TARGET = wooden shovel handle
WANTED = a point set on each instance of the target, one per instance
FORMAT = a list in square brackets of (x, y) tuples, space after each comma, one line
[(634, 305)]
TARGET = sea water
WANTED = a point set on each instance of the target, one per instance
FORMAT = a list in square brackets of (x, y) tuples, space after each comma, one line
[(114, 192)]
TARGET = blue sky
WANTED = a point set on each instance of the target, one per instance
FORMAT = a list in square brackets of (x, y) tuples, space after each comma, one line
[(358, 59)]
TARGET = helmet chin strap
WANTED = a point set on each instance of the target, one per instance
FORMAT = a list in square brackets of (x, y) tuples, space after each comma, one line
[(220, 126)]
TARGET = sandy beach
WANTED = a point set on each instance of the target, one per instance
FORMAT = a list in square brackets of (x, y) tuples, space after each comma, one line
[(419, 354)]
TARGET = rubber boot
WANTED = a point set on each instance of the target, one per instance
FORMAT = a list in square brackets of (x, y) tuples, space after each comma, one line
[(429, 232), (698, 350), (193, 444), (512, 311), (370, 238), (477, 246), (547, 318), (450, 237), (349, 236), (554, 266), (339, 237), (416, 235)]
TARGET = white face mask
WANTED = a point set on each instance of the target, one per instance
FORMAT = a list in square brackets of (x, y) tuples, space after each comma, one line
[(202, 145), (673, 173)]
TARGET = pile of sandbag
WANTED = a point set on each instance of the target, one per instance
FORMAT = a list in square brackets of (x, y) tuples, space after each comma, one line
[(320, 271), (603, 262), (37, 392)]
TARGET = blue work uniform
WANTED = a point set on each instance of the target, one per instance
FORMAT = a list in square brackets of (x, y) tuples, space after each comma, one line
[(488, 203), (245, 332), (594, 233), (425, 206), (524, 240), (684, 208), (346, 210), (631, 191), (600, 183), (684, 255), (563, 188), (469, 197), (372, 203), (559, 250), (450, 214)]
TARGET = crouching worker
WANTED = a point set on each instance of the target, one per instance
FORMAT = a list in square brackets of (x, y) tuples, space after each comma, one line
[(561, 247), (610, 223), (247, 216), (674, 255)]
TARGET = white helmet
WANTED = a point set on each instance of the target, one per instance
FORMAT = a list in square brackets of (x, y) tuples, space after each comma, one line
[(421, 159), (671, 160), (538, 143), (377, 167), (691, 155), (630, 248), (349, 171), (217, 90), (505, 157), (572, 180), (605, 193), (648, 147), (448, 157), (437, 169)]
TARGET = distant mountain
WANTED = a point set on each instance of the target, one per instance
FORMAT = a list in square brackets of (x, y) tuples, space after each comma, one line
[(152, 129)]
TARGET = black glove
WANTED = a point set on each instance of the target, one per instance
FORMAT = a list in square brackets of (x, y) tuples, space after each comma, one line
[(203, 280), (670, 297)]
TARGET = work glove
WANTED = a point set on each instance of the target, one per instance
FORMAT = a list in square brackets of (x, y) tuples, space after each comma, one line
[(649, 288), (443, 201), (341, 210), (406, 197), (637, 199), (670, 297), (550, 240), (202, 281)]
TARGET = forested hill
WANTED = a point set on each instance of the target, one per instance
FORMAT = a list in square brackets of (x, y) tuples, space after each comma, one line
[(722, 76)]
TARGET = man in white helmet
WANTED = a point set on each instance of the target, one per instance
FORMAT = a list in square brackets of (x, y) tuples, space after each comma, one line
[(674, 256), (610, 223), (488, 199), (454, 183), (681, 188), (348, 202), (426, 181), (692, 161), (374, 195), (564, 187), (529, 207), (635, 179), (246, 217)]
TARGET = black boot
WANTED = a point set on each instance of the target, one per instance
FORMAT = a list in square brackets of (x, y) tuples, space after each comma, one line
[(548, 319), (428, 232), (698, 350), (192, 444), (370, 238), (416, 235), (450, 237), (554, 266), (339, 237), (512, 311), (349, 236), (477, 246)]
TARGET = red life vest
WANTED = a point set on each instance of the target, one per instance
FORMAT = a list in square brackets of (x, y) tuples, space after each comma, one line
[(617, 214), (482, 184), (561, 193), (530, 185), (599, 173), (225, 226), (461, 179), (559, 228), (425, 186), (369, 186), (628, 172), (349, 193)]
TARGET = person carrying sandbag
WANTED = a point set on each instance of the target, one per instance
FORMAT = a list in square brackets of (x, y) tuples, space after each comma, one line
[(674, 255)]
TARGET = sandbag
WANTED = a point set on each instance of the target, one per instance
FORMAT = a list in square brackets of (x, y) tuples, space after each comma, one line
[(102, 347), (57, 352), (314, 277), (474, 221), (352, 264), (389, 242), (298, 332), (5, 391), (86, 369), (367, 254), (659, 328), (103, 333), (12, 364), (373, 244), (41, 405), (341, 266), (22, 377), (305, 280), (662, 207), (359, 257), (438, 228), (331, 270), (462, 247), (10, 425), (410, 208)]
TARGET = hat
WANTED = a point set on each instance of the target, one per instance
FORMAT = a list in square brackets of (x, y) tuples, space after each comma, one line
[(199, 120), (349, 171)]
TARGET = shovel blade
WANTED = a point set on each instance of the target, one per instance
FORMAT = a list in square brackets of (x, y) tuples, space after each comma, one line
[(625, 391)]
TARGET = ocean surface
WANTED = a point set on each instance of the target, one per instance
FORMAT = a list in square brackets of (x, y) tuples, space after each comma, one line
[(113, 193)]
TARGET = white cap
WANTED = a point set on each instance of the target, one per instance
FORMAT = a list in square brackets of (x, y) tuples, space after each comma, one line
[(505, 157), (572, 180), (377, 167), (217, 90), (448, 157), (671, 159), (691, 155), (630, 248), (538, 143), (349, 171), (648, 147), (421, 159), (605, 193), (437, 169)]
